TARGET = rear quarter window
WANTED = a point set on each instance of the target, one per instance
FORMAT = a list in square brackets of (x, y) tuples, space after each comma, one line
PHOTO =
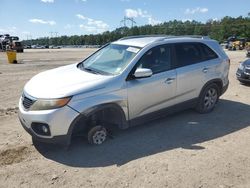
[(188, 53), (208, 53)]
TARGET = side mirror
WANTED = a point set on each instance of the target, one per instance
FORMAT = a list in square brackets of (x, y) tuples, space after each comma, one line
[(143, 73)]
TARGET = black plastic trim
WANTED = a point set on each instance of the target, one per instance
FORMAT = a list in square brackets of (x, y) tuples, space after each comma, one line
[(164, 112), (37, 128), (224, 89)]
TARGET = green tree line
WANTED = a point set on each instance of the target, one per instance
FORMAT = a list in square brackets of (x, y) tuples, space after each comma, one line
[(217, 29)]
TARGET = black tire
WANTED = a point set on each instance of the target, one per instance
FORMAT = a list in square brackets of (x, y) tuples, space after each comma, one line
[(208, 99), (244, 82), (97, 135)]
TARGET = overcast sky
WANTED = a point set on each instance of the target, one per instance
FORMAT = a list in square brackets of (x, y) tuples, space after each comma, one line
[(39, 18)]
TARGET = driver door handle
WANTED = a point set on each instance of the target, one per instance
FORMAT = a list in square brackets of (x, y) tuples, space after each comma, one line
[(205, 70), (169, 80)]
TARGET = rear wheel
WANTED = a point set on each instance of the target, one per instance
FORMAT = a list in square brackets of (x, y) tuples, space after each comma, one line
[(208, 99), (97, 135)]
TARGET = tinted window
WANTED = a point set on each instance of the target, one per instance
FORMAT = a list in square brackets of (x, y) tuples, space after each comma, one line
[(208, 52), (187, 54), (157, 59)]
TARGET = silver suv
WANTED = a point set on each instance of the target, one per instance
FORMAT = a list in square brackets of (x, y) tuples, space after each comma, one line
[(125, 83)]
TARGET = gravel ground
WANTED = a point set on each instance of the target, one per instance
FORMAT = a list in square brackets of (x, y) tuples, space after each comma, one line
[(182, 150)]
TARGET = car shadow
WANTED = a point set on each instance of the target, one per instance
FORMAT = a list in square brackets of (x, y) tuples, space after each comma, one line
[(185, 129)]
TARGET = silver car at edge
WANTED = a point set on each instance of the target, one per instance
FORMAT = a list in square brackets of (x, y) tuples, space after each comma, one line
[(125, 83)]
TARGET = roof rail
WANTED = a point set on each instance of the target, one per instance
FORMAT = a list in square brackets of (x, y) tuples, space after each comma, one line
[(196, 36), (165, 37), (186, 36), (141, 36)]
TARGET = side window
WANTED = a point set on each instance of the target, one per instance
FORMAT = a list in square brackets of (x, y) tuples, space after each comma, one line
[(188, 54), (208, 52), (158, 59)]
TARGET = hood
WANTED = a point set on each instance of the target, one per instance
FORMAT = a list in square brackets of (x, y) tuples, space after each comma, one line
[(64, 81), (247, 63)]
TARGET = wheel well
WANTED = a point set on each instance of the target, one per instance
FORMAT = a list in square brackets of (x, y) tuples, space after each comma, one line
[(218, 82), (111, 114), (107, 114)]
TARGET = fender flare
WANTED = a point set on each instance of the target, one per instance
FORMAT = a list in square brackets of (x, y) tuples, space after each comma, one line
[(215, 81)]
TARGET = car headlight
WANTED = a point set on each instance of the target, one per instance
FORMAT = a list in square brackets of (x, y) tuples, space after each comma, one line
[(48, 104), (241, 67)]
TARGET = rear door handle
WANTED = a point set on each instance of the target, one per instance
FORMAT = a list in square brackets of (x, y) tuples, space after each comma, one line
[(169, 80), (205, 70)]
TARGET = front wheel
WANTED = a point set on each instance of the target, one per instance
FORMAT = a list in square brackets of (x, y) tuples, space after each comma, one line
[(244, 82), (97, 135), (208, 99)]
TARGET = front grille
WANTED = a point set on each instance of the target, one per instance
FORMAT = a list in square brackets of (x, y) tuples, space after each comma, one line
[(27, 102)]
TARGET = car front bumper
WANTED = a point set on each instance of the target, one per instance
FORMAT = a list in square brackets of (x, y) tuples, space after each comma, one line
[(243, 75), (58, 122)]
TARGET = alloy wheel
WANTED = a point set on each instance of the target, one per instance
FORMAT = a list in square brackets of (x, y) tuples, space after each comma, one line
[(210, 98)]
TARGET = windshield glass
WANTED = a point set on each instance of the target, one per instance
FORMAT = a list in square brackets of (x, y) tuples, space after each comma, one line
[(111, 59)]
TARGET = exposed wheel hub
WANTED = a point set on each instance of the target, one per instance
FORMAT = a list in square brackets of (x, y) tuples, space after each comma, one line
[(99, 137)]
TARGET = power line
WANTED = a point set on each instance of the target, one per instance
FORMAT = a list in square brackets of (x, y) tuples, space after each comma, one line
[(53, 34)]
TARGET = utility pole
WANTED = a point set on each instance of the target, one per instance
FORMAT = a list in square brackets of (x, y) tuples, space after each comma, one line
[(125, 19), (51, 34), (29, 37), (132, 21), (30, 40)]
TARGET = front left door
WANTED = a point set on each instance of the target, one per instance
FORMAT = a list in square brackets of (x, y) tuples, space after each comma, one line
[(146, 95)]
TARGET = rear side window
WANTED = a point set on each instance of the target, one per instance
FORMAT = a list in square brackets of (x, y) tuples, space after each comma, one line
[(188, 54), (208, 52)]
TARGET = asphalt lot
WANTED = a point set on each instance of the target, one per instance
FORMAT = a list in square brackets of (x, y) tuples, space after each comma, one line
[(182, 150)]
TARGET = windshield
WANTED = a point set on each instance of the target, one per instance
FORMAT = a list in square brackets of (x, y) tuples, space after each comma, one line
[(111, 59)]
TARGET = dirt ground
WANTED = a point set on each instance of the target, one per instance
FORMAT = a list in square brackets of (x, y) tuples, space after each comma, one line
[(183, 150)]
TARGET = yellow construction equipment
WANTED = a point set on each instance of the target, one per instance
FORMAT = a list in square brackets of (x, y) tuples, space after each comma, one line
[(238, 44)]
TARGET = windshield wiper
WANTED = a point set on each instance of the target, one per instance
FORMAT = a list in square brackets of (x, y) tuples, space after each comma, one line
[(91, 70), (82, 67), (94, 71)]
